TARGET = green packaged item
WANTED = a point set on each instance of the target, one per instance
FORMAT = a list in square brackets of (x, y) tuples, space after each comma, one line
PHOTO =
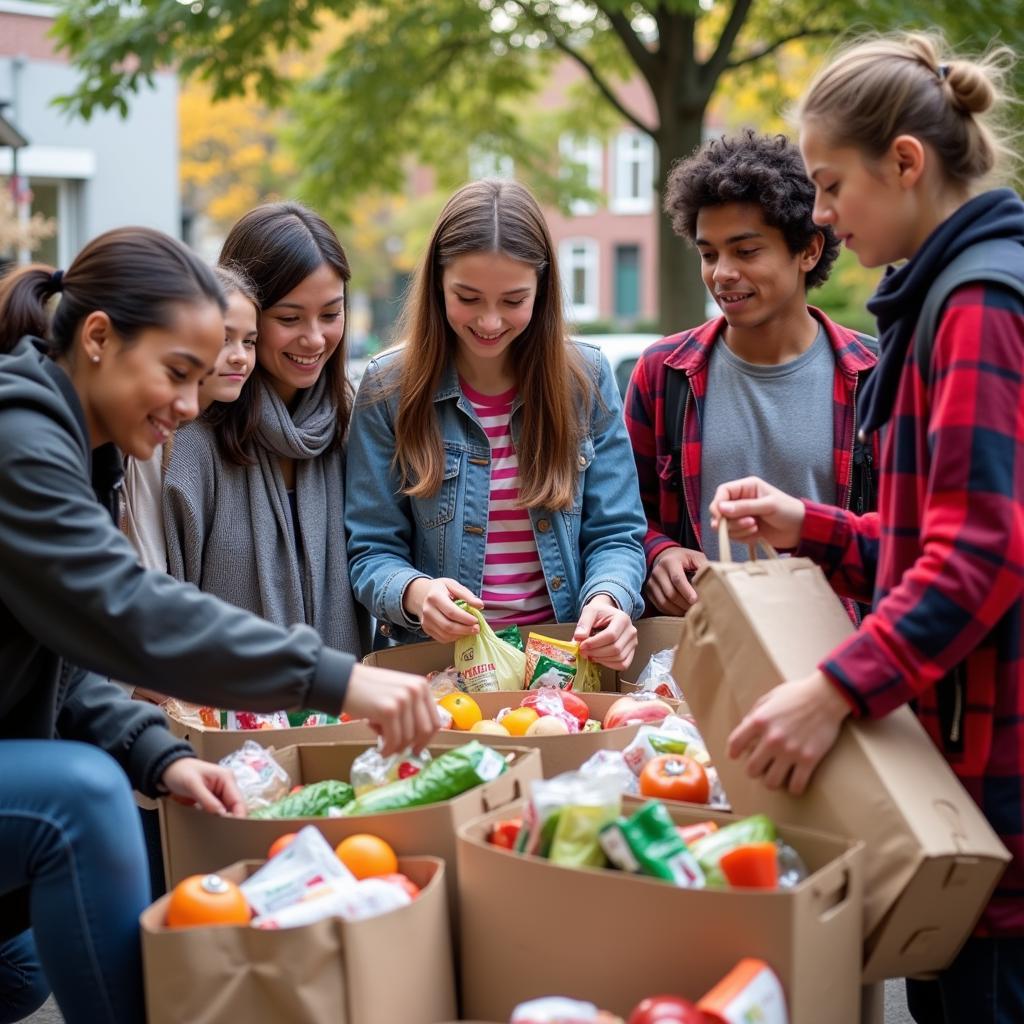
[(448, 775), (549, 672), (649, 844), (486, 663), (710, 849), (511, 635), (304, 718), (317, 800), (588, 676), (576, 842)]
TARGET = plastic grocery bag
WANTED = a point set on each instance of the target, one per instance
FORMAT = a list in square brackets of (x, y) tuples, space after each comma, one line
[(486, 662), (260, 778)]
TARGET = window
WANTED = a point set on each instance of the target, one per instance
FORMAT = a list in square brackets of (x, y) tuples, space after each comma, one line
[(485, 163), (589, 153), (634, 173), (627, 282), (577, 259)]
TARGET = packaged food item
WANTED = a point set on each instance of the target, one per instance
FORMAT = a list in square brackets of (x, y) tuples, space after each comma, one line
[(564, 818), (299, 872), (192, 714), (260, 778), (656, 676), (446, 776), (691, 833), (588, 676), (750, 991), (256, 720), (671, 736), (485, 662), (611, 763), (511, 635), (563, 652), (444, 682), (316, 800), (306, 719), (557, 1010), (648, 843), (368, 898), (550, 702), (503, 833), (709, 850), (549, 672), (371, 770)]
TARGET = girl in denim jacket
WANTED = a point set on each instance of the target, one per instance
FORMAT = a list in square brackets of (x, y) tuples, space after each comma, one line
[(488, 460)]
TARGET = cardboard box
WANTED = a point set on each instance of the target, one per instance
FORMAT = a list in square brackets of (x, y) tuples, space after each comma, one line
[(213, 744), (331, 970), (654, 634), (932, 860), (195, 842), (531, 928)]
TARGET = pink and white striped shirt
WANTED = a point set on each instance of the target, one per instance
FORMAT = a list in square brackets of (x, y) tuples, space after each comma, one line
[(514, 590)]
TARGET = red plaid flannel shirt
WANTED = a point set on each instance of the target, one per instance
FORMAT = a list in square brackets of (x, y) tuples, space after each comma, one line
[(943, 562), (647, 423)]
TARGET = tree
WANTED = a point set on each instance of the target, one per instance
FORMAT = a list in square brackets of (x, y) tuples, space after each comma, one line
[(423, 78), (20, 233)]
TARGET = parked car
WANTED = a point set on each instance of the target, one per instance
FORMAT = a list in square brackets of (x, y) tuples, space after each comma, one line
[(623, 352)]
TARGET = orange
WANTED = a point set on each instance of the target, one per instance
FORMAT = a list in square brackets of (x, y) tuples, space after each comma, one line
[(206, 899), (464, 710), (367, 856), (519, 720), (280, 843)]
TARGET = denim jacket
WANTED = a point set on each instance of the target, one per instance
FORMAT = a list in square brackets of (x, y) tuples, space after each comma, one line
[(594, 547)]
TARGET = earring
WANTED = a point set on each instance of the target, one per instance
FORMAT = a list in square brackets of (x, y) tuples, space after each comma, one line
[(95, 359)]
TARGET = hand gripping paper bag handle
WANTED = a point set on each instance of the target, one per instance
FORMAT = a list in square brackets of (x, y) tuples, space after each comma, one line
[(725, 544)]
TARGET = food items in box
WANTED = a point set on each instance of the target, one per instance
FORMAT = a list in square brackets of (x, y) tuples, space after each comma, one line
[(464, 710), (317, 800), (633, 709), (367, 856), (260, 778), (205, 900), (675, 777), (484, 661)]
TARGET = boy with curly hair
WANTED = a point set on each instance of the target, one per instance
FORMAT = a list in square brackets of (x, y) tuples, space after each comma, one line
[(767, 388)]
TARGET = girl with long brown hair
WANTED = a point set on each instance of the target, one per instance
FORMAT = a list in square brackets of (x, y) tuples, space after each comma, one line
[(488, 459)]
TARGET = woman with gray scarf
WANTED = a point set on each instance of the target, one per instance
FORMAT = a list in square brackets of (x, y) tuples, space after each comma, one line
[(254, 494)]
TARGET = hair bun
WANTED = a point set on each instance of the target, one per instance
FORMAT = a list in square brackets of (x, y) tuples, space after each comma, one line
[(971, 88)]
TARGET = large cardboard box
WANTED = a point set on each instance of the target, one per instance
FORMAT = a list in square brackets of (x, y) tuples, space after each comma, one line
[(195, 842), (531, 928), (932, 860), (213, 744), (332, 970), (653, 635)]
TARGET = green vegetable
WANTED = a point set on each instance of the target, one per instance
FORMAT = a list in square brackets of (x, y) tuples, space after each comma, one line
[(648, 844), (312, 801), (448, 775), (709, 849)]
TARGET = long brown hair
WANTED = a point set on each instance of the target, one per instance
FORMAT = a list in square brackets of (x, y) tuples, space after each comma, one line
[(278, 245), (879, 87), (499, 217), (137, 276)]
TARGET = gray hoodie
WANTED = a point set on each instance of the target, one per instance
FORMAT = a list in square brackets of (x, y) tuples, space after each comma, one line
[(76, 607)]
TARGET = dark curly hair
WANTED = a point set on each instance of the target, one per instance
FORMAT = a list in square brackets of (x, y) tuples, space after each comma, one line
[(765, 170)]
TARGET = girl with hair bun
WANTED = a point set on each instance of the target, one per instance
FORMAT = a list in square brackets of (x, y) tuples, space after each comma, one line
[(899, 139)]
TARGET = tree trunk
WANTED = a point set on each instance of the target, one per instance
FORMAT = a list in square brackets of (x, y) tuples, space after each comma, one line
[(681, 294)]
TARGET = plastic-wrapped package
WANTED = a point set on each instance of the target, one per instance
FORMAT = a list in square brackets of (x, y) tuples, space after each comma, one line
[(556, 1010), (611, 764), (371, 769), (657, 675), (674, 735), (792, 869), (548, 702), (370, 897), (487, 663), (260, 778), (323, 799), (257, 720), (444, 682)]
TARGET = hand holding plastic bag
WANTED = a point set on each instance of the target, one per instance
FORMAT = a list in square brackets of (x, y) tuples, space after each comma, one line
[(260, 778), (484, 661)]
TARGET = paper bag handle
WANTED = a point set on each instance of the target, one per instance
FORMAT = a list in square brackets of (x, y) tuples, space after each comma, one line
[(725, 546)]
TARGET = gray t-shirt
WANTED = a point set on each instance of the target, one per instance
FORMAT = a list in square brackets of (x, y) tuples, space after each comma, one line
[(774, 422)]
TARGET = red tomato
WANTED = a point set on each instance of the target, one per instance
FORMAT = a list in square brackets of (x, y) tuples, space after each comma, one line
[(403, 882), (666, 1010), (504, 833), (675, 777), (406, 770)]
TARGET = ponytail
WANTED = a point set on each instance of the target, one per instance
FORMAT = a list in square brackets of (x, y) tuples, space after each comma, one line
[(24, 295)]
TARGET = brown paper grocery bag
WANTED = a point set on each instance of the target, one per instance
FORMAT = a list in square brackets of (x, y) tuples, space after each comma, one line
[(328, 972), (932, 858)]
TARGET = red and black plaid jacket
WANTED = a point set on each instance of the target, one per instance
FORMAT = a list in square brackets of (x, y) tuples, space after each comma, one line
[(943, 563), (648, 425)]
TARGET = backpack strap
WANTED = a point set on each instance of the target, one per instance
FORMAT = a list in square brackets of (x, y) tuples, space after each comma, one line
[(988, 262)]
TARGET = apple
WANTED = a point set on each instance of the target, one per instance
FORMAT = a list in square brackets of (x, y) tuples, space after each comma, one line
[(666, 1010), (630, 710), (548, 725)]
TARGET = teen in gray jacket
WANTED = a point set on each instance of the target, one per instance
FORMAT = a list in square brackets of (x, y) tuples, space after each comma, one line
[(138, 325)]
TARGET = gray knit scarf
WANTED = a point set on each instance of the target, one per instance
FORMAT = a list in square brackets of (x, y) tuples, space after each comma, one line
[(315, 588)]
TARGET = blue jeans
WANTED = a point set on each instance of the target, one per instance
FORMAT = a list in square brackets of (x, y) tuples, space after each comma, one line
[(73, 856), (23, 986), (983, 985)]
